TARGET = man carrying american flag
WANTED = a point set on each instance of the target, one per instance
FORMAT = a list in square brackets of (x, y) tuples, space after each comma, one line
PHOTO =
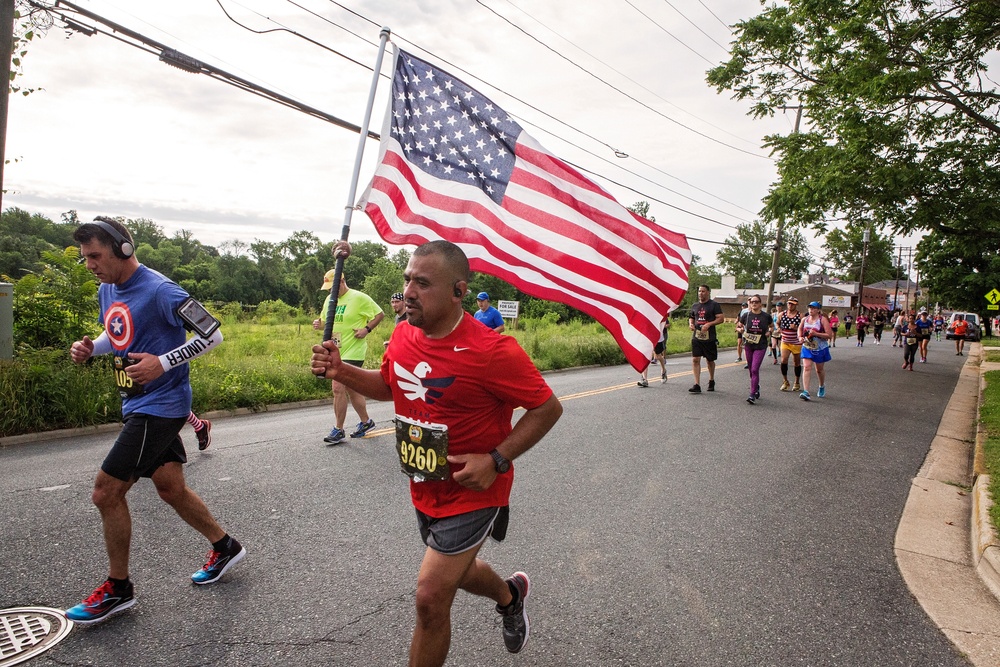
[(456, 167)]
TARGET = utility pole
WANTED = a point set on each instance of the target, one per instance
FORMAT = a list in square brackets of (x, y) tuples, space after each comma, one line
[(781, 225), (861, 275), (899, 266), (6, 53)]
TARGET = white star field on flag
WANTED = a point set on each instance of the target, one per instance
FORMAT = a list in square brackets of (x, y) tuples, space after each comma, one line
[(451, 131)]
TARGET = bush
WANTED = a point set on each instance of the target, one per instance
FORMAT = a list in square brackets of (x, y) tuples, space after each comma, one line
[(57, 306), (43, 390), (275, 312)]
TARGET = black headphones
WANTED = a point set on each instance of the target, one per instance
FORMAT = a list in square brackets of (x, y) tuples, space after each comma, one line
[(120, 244)]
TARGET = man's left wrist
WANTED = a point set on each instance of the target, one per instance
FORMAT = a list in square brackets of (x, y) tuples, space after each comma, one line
[(500, 463)]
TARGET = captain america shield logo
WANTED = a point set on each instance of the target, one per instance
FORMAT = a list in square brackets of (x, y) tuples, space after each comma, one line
[(118, 324)]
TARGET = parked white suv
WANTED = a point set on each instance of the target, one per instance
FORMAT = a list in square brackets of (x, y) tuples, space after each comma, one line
[(972, 333)]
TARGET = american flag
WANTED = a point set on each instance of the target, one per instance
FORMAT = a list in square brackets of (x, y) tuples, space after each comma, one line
[(455, 166)]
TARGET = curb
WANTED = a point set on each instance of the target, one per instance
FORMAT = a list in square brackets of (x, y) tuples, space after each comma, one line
[(984, 540)]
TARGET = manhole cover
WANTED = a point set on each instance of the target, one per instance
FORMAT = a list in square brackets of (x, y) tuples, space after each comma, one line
[(27, 631)]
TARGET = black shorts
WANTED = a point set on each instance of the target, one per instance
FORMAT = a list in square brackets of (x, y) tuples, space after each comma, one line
[(144, 444), (705, 348), (452, 535), (659, 347)]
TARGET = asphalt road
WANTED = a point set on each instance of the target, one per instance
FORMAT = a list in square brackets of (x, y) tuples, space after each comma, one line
[(658, 528)]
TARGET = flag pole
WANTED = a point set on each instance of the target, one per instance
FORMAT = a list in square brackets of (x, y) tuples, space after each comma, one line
[(349, 209)]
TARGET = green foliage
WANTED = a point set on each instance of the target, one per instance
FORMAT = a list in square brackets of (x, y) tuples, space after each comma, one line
[(56, 306), (23, 239), (641, 208), (385, 278), (43, 390), (844, 249), (748, 254), (275, 312), (246, 274), (258, 365), (231, 313), (310, 278), (959, 268), (550, 311), (989, 415), (900, 115), (29, 23), (698, 274), (363, 257)]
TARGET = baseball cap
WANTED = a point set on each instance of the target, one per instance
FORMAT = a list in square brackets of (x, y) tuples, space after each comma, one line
[(792, 299), (482, 296), (397, 296), (814, 304), (328, 279)]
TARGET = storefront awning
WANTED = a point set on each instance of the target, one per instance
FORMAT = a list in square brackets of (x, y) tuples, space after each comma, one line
[(874, 305)]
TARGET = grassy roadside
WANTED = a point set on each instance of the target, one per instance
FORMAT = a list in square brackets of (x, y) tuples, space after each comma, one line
[(260, 364), (989, 416)]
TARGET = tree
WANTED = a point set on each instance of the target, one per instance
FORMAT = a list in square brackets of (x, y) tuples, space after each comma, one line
[(57, 305), (698, 274), (165, 258), (901, 112), (958, 277), (362, 259), (384, 278), (25, 236), (300, 245), (144, 231), (844, 249), (641, 208), (29, 23), (310, 278), (748, 254)]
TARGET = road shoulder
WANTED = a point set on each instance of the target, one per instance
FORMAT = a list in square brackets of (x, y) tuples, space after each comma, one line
[(942, 536)]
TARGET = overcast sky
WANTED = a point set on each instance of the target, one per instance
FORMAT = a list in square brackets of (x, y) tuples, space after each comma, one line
[(113, 131)]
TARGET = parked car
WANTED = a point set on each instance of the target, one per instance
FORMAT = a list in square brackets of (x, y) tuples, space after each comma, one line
[(973, 333)]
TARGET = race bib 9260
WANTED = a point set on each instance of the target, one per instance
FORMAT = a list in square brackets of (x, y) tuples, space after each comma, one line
[(422, 449)]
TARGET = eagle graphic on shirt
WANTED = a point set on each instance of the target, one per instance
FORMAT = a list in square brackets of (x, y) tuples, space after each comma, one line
[(417, 386)]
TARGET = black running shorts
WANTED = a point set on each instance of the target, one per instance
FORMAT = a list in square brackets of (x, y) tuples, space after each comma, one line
[(452, 535), (144, 444), (705, 348)]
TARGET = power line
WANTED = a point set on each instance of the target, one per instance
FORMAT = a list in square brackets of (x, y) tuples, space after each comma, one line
[(283, 28), (724, 24), (619, 90), (620, 73), (184, 62), (675, 37), (696, 26)]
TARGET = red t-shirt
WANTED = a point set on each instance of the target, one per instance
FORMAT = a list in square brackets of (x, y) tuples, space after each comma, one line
[(960, 327), (471, 380)]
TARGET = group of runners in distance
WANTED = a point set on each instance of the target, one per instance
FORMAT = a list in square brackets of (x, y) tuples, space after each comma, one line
[(798, 341), (453, 414)]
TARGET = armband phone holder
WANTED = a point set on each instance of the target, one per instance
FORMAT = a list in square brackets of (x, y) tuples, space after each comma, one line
[(197, 319)]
